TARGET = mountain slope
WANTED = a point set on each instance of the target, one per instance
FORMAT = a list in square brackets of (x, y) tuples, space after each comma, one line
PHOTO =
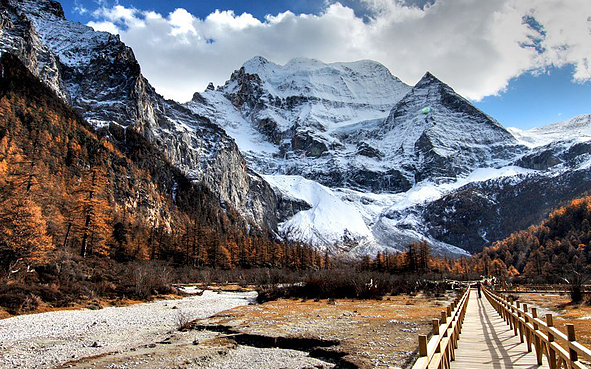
[(294, 119), (554, 248), (100, 77), (51, 156), (436, 133), (577, 128)]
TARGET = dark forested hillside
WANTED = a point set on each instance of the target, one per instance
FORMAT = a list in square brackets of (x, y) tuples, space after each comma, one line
[(65, 187), (559, 245)]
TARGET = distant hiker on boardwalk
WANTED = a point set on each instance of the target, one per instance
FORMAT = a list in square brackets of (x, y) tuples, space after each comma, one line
[(478, 286)]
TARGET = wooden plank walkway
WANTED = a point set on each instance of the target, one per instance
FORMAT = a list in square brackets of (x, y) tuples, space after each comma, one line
[(487, 342)]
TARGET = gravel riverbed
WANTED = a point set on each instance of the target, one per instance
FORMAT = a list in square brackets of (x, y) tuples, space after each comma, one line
[(49, 339)]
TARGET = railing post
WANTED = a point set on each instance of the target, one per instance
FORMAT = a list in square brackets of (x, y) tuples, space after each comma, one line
[(514, 319), (505, 304), (526, 328), (519, 325), (436, 333), (435, 327), (537, 343), (422, 346), (551, 352), (570, 332)]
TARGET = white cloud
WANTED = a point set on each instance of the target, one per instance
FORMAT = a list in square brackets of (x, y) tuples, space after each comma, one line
[(475, 46), (181, 22), (104, 26)]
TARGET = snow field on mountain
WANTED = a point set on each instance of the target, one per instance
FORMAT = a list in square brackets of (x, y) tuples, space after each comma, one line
[(221, 111), (361, 82), (577, 128), (329, 221), (339, 215)]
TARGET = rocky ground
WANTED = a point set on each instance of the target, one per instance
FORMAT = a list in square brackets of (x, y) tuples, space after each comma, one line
[(55, 338), (223, 330)]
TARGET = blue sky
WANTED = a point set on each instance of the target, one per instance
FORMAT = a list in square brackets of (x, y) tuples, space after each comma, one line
[(534, 100), (525, 65)]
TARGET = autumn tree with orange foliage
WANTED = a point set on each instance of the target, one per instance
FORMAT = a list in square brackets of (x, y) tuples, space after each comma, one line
[(110, 199), (92, 210), (559, 245), (23, 235)]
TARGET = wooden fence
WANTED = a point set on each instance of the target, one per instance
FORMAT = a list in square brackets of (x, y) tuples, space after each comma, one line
[(562, 351), (438, 352)]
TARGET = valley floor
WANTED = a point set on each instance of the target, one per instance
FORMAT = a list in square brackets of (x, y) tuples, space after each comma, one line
[(354, 333), (227, 332), (51, 339)]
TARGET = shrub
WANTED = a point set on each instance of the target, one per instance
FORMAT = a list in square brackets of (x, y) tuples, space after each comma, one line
[(341, 284), (18, 298)]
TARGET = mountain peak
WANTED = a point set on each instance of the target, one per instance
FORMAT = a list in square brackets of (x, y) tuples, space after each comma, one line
[(427, 80), (257, 60), (255, 63), (41, 7)]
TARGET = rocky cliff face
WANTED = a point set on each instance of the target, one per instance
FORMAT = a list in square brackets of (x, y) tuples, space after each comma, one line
[(18, 37), (297, 118), (100, 77), (436, 134)]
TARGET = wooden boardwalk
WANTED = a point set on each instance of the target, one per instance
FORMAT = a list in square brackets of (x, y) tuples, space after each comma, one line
[(487, 341)]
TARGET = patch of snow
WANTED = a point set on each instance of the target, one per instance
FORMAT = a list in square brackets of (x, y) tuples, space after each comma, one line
[(221, 111), (330, 219)]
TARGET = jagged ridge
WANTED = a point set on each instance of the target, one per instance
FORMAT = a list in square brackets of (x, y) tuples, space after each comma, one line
[(100, 77)]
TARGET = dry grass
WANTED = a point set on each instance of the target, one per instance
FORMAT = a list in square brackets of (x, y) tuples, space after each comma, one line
[(374, 333)]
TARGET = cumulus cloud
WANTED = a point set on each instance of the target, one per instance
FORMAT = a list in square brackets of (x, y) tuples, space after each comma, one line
[(475, 46)]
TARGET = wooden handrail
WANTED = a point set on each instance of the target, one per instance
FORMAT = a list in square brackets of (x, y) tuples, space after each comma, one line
[(438, 352), (561, 350)]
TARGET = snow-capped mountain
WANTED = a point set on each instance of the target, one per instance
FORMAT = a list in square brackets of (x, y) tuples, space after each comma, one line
[(326, 134), (99, 76), (343, 156), (409, 174), (295, 119), (352, 125)]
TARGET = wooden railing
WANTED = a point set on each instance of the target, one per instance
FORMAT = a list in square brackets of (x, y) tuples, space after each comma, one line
[(438, 352), (562, 351)]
